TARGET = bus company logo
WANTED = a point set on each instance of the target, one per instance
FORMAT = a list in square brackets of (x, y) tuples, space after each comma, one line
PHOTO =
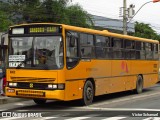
[(31, 85), (124, 67)]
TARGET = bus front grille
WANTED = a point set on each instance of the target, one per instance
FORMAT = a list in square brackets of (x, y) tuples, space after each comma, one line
[(32, 79), (37, 86), (30, 93)]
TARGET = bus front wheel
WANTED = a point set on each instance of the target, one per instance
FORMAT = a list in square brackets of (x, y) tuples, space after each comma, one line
[(139, 85), (39, 101), (88, 93)]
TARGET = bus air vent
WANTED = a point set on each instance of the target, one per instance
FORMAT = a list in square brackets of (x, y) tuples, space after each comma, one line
[(32, 79)]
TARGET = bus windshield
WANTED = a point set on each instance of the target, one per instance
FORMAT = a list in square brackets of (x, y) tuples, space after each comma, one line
[(36, 52)]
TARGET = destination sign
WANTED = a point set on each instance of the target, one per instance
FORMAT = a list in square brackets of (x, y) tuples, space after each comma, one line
[(35, 29), (42, 29)]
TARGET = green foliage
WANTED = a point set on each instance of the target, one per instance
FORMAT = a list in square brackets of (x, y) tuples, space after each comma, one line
[(56, 11), (145, 31), (78, 17), (5, 21), (53, 11)]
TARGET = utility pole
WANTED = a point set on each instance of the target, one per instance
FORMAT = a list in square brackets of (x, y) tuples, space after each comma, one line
[(124, 17)]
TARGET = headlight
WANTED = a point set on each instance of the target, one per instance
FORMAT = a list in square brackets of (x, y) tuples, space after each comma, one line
[(50, 86), (56, 86), (12, 84)]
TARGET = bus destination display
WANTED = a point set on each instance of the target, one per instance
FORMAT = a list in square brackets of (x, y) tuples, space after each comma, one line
[(42, 29), (35, 30)]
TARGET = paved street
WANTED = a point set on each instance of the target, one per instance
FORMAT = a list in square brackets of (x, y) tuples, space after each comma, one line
[(117, 106)]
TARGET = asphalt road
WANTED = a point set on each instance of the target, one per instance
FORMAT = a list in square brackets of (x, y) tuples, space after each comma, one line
[(118, 106)]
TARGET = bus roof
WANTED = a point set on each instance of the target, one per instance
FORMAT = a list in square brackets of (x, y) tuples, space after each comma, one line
[(107, 33), (92, 31)]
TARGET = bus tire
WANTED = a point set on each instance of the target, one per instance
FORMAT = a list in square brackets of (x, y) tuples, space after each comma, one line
[(39, 101), (88, 93), (139, 85)]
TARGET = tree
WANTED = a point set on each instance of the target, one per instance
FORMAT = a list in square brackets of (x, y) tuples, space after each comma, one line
[(53, 11), (78, 17), (145, 31), (56, 11), (5, 22)]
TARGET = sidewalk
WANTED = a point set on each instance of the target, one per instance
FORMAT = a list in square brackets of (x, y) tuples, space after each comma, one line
[(5, 100)]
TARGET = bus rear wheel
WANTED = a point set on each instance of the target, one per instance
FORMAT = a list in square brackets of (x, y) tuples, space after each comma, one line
[(88, 93), (39, 101), (139, 85)]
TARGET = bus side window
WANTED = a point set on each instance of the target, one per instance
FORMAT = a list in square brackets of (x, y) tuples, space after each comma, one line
[(117, 48), (143, 52), (100, 46), (87, 48), (149, 51), (156, 52), (108, 48), (138, 49)]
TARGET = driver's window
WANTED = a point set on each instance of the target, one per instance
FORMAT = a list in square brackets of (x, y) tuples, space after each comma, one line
[(71, 49), (71, 46)]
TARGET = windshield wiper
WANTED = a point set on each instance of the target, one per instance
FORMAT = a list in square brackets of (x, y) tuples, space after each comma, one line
[(23, 62)]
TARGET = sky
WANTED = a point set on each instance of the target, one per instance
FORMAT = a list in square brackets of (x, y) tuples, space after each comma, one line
[(150, 13)]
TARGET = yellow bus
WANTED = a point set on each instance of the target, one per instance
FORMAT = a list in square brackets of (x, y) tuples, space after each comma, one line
[(62, 62)]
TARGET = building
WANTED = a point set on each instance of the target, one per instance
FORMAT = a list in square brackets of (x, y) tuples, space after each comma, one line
[(113, 25)]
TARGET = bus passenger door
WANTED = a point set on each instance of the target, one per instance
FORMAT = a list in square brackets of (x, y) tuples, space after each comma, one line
[(72, 71)]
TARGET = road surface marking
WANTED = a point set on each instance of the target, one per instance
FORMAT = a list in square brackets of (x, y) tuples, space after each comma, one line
[(45, 118), (152, 118), (78, 118), (19, 104), (122, 109), (114, 118), (10, 118)]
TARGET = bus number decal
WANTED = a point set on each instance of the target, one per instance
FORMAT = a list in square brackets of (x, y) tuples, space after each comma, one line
[(15, 64)]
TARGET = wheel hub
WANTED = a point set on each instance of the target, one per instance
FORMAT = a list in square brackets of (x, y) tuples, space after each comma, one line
[(89, 93)]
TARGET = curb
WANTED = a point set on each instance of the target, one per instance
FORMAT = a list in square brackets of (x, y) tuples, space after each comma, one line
[(5, 100)]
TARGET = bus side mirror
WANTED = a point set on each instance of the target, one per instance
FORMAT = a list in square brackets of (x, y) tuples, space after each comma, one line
[(2, 40), (2, 48)]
